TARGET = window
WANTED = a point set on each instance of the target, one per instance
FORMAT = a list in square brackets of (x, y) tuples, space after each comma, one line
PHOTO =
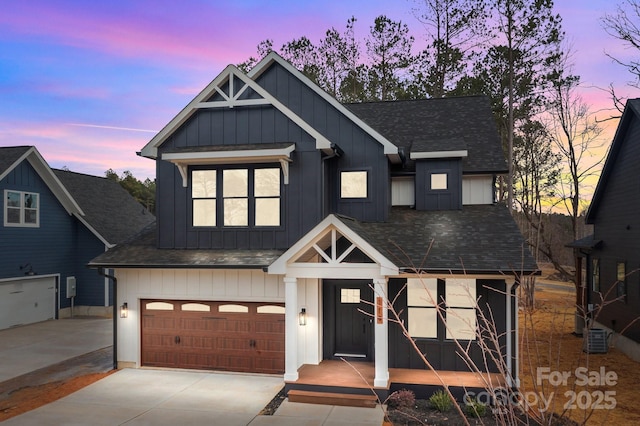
[(438, 181), (460, 295), (422, 297), (621, 280), (353, 184), (595, 274), (349, 295), (21, 209), (247, 196), (203, 192)]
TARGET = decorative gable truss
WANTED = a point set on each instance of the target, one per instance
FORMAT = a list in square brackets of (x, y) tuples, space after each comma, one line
[(330, 245)]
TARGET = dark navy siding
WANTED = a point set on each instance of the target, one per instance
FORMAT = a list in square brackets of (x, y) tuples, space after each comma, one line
[(449, 199), (617, 224), (304, 203), (441, 353), (60, 245)]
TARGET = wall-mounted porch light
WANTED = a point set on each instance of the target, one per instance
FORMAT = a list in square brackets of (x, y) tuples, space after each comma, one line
[(302, 317), (124, 310)]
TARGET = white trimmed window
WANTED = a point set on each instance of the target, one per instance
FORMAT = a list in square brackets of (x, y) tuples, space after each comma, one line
[(422, 299), (353, 184), (439, 181), (460, 296), (203, 192), (21, 208)]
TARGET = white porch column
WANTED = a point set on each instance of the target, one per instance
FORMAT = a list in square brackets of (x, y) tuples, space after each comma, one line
[(511, 333), (291, 329), (381, 333)]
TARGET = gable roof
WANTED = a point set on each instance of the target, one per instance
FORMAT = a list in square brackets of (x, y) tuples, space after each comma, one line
[(110, 211), (442, 125), (631, 112), (231, 88), (11, 157)]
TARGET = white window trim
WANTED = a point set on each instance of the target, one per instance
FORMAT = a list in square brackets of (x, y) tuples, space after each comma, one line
[(22, 223)]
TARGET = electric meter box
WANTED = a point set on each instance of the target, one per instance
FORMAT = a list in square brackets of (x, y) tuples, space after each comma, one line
[(71, 287)]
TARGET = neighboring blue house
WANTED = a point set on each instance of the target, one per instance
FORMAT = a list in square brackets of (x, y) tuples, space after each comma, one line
[(53, 223), (286, 221), (611, 293)]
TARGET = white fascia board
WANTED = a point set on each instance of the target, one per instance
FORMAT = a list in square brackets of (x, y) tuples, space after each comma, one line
[(57, 188), (281, 265), (389, 148), (150, 150), (439, 154)]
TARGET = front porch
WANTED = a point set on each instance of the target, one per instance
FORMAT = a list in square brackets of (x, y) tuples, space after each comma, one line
[(357, 378)]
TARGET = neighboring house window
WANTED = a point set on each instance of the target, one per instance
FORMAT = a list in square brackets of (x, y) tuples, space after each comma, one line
[(460, 296), (422, 299), (247, 196), (353, 184), (595, 274), (621, 280), (439, 181), (203, 192), (21, 208)]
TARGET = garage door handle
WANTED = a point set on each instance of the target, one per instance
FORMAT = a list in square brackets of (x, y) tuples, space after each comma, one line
[(177, 340), (252, 343)]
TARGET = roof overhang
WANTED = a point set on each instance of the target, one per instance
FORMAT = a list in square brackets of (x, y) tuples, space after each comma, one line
[(236, 155), (438, 154)]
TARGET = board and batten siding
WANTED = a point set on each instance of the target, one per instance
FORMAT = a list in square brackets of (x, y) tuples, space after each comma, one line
[(220, 285), (617, 224)]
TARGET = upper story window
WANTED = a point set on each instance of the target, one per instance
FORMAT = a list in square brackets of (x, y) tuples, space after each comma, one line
[(353, 184), (238, 196), (21, 208), (439, 181)]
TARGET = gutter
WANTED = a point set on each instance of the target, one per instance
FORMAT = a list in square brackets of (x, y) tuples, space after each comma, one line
[(102, 272)]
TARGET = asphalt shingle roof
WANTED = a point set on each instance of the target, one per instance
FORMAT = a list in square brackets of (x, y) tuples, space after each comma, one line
[(443, 124), (108, 208), (142, 251), (482, 238)]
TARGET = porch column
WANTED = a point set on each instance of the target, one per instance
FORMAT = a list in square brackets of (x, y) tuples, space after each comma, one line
[(512, 334), (291, 329), (381, 332)]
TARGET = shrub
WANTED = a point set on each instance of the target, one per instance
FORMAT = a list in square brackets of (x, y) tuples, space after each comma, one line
[(475, 408), (441, 401), (401, 399)]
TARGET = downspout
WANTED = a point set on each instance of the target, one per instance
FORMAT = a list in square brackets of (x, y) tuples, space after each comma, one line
[(102, 272), (515, 346)]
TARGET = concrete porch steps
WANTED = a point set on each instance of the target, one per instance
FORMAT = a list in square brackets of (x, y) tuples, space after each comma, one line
[(332, 398)]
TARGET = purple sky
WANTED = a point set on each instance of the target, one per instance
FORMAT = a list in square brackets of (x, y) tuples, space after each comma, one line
[(89, 83)]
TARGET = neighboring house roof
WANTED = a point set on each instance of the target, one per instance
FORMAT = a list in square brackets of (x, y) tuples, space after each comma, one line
[(142, 251), (108, 208), (631, 112), (476, 239), (440, 125), (11, 157)]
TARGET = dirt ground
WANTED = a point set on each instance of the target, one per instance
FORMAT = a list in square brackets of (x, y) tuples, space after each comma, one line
[(591, 388), (549, 351)]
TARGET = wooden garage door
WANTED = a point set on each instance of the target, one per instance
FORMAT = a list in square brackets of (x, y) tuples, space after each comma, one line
[(232, 336)]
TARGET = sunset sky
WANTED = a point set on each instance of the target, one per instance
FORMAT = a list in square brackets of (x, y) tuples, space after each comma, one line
[(89, 83)]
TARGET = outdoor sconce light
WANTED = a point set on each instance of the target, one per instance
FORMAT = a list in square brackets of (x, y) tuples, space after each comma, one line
[(124, 310), (302, 317)]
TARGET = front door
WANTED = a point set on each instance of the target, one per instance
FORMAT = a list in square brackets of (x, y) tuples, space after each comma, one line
[(348, 319)]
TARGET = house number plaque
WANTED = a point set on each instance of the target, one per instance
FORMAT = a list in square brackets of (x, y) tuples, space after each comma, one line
[(379, 310)]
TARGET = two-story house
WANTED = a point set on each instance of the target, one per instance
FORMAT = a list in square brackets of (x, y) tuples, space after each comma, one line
[(287, 222), (611, 294), (53, 223)]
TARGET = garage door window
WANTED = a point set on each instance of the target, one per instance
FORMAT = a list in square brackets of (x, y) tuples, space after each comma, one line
[(21, 209)]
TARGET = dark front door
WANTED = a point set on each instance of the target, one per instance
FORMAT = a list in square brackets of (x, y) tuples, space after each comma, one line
[(348, 319)]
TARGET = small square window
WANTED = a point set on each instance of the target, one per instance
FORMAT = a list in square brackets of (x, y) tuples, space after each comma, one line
[(353, 184), (438, 181)]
